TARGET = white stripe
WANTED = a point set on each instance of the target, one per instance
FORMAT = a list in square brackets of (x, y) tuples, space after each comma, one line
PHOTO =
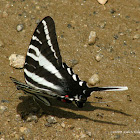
[(35, 49), (69, 71), (81, 83), (48, 38), (46, 64), (35, 38), (74, 77), (41, 80), (38, 31), (119, 88)]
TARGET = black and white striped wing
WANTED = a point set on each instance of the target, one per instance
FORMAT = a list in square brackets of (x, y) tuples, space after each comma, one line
[(43, 61), (46, 75)]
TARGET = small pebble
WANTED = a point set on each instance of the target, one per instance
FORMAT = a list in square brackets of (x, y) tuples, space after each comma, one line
[(5, 101), (102, 24), (51, 120), (69, 25), (88, 133), (31, 118), (17, 137), (20, 27), (3, 109), (18, 118), (48, 125), (82, 135), (98, 57), (92, 38), (63, 125), (116, 37), (4, 14), (37, 21), (112, 11), (137, 36), (71, 127), (17, 61), (93, 80), (24, 130), (74, 62), (102, 1)]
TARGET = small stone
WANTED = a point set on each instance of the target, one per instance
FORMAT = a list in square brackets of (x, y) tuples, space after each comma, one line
[(37, 21), (92, 38), (18, 118), (98, 57), (4, 14), (48, 124), (112, 11), (20, 27), (69, 25), (102, 24), (70, 127), (74, 62), (31, 118), (51, 120), (63, 125), (93, 80), (22, 138), (17, 61), (17, 137), (137, 36), (102, 1), (88, 133), (3, 109), (116, 37), (5, 101), (82, 135), (24, 130), (1, 44)]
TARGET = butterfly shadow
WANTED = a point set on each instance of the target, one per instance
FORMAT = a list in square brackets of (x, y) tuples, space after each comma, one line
[(59, 109)]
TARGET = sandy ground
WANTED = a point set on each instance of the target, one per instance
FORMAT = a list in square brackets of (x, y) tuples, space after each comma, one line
[(118, 38)]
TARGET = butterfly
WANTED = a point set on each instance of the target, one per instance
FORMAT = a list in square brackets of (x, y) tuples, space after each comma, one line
[(46, 76)]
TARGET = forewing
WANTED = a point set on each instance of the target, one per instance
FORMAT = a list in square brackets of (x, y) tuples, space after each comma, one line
[(43, 61)]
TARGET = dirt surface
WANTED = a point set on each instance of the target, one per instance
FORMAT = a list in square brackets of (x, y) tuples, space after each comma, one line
[(117, 27)]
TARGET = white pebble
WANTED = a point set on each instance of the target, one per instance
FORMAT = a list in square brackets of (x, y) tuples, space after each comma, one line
[(51, 120), (98, 57), (102, 1), (93, 80), (24, 130), (4, 14), (63, 125), (137, 36), (20, 27), (31, 118), (92, 38), (2, 109), (17, 61)]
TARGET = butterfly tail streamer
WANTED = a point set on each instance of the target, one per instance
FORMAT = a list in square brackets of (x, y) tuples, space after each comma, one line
[(89, 91), (111, 88)]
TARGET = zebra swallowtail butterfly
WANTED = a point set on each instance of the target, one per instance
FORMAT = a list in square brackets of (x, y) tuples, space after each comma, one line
[(47, 76)]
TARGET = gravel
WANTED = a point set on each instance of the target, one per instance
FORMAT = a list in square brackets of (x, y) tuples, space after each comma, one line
[(92, 38), (93, 80), (51, 120), (17, 61), (20, 27)]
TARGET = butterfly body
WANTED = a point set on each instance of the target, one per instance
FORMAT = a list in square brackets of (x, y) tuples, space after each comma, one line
[(45, 73)]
